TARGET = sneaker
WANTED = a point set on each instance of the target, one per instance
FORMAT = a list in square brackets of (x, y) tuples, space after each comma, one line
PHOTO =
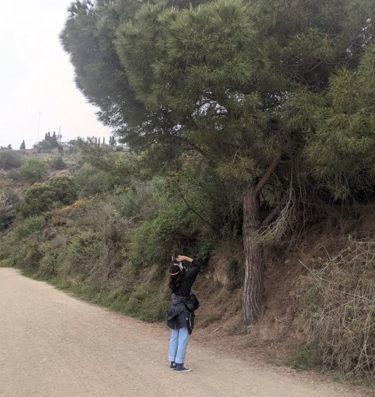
[(173, 366), (182, 368)]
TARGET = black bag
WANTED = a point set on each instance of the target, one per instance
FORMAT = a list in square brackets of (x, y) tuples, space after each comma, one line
[(192, 302)]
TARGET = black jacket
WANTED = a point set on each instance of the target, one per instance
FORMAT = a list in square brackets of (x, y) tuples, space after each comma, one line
[(178, 315)]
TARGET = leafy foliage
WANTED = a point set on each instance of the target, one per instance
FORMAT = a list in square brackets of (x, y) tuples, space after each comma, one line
[(34, 170), (341, 153), (58, 191), (9, 159), (64, 188), (238, 82), (28, 227), (38, 198), (58, 163), (9, 203)]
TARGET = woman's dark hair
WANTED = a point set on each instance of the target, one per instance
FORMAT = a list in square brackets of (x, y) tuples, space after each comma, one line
[(175, 280)]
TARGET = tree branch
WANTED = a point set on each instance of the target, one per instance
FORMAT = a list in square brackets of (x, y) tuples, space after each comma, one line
[(267, 174), (195, 212)]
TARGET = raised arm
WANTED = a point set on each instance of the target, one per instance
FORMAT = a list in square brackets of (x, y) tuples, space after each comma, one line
[(182, 258)]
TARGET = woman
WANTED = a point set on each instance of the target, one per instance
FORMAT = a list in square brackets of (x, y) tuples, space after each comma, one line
[(179, 317)]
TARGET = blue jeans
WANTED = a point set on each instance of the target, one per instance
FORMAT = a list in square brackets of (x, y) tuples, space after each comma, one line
[(177, 346)]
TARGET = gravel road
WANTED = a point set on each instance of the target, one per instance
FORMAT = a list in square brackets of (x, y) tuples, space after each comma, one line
[(53, 345)]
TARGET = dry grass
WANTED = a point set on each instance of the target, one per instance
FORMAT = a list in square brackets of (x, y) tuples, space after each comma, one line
[(339, 309)]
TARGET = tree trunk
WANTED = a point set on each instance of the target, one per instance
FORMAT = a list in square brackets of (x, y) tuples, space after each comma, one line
[(253, 289)]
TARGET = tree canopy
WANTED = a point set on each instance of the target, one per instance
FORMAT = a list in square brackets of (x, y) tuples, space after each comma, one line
[(246, 84), (237, 80)]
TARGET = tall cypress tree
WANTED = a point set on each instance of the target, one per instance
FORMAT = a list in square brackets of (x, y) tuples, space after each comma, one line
[(23, 145)]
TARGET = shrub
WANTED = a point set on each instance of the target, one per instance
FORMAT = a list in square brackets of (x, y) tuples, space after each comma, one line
[(64, 188), (38, 199), (9, 160), (28, 255), (58, 163), (48, 265), (29, 226), (155, 240), (34, 170), (9, 202), (93, 181), (147, 304), (58, 191), (339, 309), (82, 252)]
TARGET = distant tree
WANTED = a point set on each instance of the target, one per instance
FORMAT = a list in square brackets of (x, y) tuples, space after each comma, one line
[(54, 141), (23, 145), (58, 163), (112, 140), (34, 170), (10, 147), (10, 159)]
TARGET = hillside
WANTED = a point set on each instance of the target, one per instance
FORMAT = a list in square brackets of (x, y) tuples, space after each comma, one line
[(103, 227)]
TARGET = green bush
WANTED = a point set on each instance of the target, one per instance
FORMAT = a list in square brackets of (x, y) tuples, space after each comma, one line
[(305, 357), (48, 265), (140, 199), (124, 203), (64, 188), (147, 304), (29, 226), (34, 170), (28, 255), (154, 240), (81, 255), (92, 181), (58, 191), (9, 203), (5, 263), (7, 243), (9, 159), (38, 199), (58, 163)]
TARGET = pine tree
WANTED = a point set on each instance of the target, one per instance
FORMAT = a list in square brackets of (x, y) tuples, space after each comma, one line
[(246, 84), (53, 140), (23, 145)]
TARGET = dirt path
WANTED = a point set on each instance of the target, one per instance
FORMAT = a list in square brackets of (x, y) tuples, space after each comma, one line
[(54, 345)]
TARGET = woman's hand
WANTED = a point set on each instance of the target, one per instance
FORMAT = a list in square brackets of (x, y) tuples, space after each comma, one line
[(181, 258)]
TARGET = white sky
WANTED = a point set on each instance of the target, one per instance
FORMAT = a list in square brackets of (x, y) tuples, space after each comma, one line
[(36, 77)]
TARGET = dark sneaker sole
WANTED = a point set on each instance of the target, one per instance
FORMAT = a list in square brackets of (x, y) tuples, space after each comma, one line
[(183, 370)]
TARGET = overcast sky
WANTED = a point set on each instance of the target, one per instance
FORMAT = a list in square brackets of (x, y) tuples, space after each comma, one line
[(37, 89)]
